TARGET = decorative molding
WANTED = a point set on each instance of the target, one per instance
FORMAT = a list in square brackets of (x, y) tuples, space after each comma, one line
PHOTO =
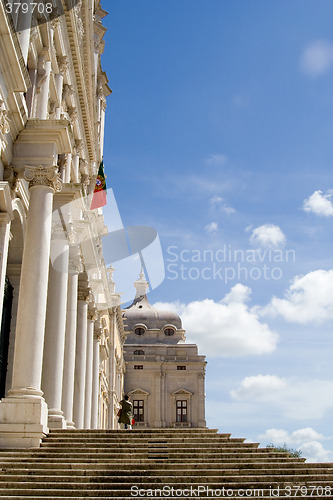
[(63, 66), (79, 147), (11, 177), (84, 294), (4, 119), (43, 176), (72, 113), (75, 262), (68, 91)]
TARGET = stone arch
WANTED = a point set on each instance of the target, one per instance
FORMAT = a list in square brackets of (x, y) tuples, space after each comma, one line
[(13, 272)]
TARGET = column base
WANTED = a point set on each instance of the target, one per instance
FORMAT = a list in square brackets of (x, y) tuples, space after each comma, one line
[(23, 421), (70, 425), (56, 419)]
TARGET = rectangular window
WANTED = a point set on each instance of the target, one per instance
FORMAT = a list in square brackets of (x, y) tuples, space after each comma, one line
[(138, 367), (181, 367), (181, 411), (138, 410)]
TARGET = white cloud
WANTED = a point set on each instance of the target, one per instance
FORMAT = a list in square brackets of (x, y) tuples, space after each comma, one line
[(238, 294), (267, 236), (218, 202), (292, 398), (317, 58), (216, 160), (319, 203), (309, 299), (211, 228), (315, 452), (307, 440), (259, 386), (226, 328)]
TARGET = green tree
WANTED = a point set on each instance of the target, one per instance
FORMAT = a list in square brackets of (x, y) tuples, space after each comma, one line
[(284, 448)]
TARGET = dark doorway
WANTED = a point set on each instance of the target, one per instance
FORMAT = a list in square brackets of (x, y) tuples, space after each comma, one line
[(4, 334)]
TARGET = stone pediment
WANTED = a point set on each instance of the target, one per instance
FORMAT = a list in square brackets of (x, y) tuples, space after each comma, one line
[(182, 392), (138, 392)]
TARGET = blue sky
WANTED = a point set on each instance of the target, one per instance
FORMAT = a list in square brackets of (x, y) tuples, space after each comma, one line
[(219, 136)]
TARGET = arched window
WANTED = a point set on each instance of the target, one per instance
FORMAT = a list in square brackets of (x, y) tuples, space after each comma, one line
[(169, 331), (139, 352), (139, 331)]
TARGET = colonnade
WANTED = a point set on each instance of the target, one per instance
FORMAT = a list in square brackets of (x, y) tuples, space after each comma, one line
[(55, 371)]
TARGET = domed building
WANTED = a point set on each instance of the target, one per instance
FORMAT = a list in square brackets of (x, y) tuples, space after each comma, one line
[(165, 376)]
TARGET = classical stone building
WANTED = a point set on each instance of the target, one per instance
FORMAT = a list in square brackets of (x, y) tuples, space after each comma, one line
[(165, 377), (61, 361)]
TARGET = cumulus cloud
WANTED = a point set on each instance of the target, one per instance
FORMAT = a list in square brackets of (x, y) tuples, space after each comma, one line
[(226, 328), (308, 299), (259, 386), (216, 160), (319, 203), (267, 236), (317, 58), (218, 202), (306, 440), (211, 228), (292, 398), (238, 294)]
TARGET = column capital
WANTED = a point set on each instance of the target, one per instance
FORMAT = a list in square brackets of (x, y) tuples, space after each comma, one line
[(92, 314), (84, 294), (75, 264), (43, 176)]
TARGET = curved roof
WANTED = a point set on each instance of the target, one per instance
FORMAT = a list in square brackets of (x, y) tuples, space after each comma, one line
[(141, 312)]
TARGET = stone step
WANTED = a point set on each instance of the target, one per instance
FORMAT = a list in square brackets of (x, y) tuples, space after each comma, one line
[(136, 462), (235, 488), (135, 440), (71, 496), (103, 447), (123, 457), (196, 471), (107, 464), (117, 481)]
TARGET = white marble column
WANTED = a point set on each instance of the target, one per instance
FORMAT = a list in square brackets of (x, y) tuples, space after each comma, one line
[(54, 343), (80, 357), (76, 164), (89, 369), (23, 30), (23, 414), (95, 382), (70, 342), (43, 87), (68, 166)]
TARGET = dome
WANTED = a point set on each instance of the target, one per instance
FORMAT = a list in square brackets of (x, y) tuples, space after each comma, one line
[(142, 313)]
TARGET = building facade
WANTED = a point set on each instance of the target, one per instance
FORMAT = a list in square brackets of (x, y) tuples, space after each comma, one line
[(165, 376), (61, 362)]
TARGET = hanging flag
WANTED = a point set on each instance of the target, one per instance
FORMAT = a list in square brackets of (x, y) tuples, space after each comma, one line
[(99, 196)]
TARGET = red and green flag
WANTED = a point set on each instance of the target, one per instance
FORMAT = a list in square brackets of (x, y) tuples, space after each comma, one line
[(99, 196)]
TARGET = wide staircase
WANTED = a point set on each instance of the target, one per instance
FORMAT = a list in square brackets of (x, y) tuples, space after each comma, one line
[(176, 463)]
